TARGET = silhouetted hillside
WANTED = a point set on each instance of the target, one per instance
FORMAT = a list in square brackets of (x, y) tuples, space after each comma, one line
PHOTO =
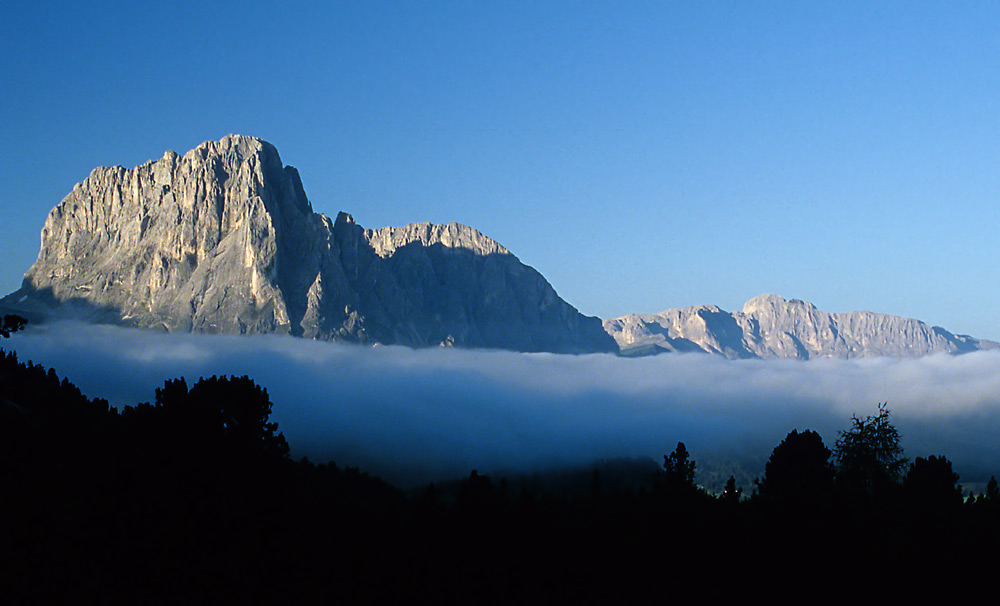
[(192, 498)]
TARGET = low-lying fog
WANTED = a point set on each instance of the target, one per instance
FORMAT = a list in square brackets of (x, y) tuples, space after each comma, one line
[(416, 415)]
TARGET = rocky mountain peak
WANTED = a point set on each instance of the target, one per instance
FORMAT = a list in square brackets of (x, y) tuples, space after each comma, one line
[(388, 240), (224, 239), (770, 303), (344, 219), (235, 148), (772, 327)]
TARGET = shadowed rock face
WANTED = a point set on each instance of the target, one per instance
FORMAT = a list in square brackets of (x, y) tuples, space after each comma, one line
[(224, 240), (771, 327)]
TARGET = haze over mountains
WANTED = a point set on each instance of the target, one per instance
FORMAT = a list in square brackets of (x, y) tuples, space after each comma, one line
[(224, 240)]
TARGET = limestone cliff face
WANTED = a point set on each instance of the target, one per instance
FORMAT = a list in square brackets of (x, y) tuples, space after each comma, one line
[(223, 239), (182, 243), (771, 327)]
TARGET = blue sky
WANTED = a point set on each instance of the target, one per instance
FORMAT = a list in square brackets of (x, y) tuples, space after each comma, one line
[(639, 155)]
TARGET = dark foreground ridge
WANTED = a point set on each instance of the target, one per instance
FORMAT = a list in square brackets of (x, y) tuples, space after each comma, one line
[(193, 499)]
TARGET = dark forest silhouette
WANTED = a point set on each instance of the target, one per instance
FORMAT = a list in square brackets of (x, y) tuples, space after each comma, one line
[(193, 498)]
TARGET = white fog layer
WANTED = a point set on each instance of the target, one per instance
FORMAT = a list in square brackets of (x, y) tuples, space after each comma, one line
[(415, 415)]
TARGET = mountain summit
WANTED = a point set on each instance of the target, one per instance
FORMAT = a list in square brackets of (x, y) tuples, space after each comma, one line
[(224, 240), (771, 327)]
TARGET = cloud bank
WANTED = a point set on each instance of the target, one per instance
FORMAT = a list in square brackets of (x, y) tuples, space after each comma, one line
[(416, 415)]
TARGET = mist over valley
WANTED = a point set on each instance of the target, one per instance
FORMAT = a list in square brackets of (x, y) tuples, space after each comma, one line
[(559, 302), (420, 415)]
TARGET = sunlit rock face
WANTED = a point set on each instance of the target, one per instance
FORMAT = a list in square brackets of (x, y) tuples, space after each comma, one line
[(224, 240), (771, 327)]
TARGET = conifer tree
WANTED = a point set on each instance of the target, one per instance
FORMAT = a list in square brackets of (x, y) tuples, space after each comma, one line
[(869, 455)]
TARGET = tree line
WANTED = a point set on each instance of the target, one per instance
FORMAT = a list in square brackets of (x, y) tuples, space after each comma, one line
[(194, 497)]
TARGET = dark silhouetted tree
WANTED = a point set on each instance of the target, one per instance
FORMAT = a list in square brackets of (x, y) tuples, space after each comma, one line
[(11, 323), (478, 495), (992, 490), (679, 470), (173, 393), (869, 456), (798, 471), (931, 484), (216, 414), (241, 409), (731, 494), (990, 500)]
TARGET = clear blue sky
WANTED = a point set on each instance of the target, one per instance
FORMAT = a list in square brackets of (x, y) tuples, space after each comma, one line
[(639, 155)]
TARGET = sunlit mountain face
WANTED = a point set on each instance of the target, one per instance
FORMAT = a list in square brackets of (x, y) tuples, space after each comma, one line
[(458, 289), (224, 240)]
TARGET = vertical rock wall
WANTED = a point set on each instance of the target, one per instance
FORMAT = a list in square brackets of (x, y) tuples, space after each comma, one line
[(224, 240)]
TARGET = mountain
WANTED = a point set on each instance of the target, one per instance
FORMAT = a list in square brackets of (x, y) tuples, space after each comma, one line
[(771, 327), (224, 240)]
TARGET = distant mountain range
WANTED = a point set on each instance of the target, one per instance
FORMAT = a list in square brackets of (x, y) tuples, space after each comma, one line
[(224, 240), (771, 327)]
